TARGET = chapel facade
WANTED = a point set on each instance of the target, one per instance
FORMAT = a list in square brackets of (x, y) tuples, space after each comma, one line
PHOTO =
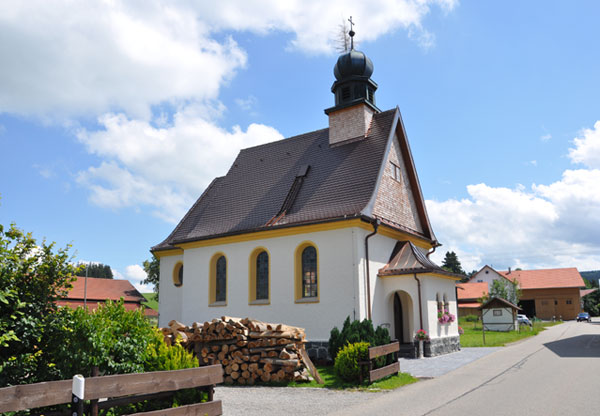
[(315, 228)]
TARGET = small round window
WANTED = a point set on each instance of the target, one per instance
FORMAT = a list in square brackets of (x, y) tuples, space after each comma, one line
[(178, 274)]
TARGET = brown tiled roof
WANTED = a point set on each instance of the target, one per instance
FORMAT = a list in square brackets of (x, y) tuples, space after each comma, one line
[(338, 184), (408, 259), (103, 289), (585, 292), (468, 291), (546, 278)]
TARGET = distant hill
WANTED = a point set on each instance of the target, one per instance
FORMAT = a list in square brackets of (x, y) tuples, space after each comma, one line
[(151, 301), (591, 275)]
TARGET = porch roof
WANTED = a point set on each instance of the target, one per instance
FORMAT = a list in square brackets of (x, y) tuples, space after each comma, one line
[(406, 258)]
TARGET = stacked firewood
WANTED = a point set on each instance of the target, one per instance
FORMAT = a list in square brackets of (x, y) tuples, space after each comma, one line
[(250, 351)]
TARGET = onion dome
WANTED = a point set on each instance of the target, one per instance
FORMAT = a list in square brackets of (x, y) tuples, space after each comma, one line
[(353, 84), (353, 64)]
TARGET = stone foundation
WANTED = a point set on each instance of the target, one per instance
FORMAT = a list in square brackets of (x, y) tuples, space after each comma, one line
[(440, 346), (317, 351)]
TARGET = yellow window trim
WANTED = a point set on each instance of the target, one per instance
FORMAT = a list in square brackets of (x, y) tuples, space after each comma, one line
[(175, 276), (166, 253), (252, 277), (298, 274), (212, 280), (303, 229)]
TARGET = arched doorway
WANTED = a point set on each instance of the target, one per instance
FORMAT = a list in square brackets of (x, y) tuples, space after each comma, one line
[(398, 318), (403, 317)]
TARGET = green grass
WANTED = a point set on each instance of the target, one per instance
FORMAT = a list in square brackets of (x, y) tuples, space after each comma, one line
[(473, 334), (151, 301), (332, 381)]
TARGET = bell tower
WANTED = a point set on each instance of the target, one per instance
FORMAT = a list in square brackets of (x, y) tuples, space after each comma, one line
[(354, 93)]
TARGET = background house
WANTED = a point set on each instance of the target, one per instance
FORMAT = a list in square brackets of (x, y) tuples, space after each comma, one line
[(100, 290), (468, 296), (546, 293)]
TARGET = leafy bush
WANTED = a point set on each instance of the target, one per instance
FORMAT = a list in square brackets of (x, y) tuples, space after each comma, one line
[(346, 363), (471, 318), (32, 278), (357, 331)]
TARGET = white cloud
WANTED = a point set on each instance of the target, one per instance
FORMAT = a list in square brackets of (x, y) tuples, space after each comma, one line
[(135, 274), (545, 137), (555, 225), (67, 59), (587, 148), (166, 168), (247, 104)]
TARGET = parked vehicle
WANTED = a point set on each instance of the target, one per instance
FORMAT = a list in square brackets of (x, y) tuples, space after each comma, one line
[(584, 316), (523, 319)]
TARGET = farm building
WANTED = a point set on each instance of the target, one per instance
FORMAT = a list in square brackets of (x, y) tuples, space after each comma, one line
[(546, 293), (315, 228), (100, 290)]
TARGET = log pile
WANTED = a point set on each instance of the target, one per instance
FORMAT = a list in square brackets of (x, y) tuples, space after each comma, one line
[(249, 350)]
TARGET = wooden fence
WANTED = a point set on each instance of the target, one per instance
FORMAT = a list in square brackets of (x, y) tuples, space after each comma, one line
[(380, 351), (135, 387)]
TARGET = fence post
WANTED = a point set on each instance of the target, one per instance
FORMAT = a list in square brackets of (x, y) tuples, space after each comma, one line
[(78, 391), (94, 403)]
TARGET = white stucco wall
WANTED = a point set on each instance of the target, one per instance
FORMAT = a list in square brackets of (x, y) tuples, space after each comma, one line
[(488, 275), (342, 285), (383, 289), (337, 273), (169, 301)]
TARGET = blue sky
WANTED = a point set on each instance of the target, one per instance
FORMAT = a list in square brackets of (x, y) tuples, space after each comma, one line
[(115, 116)]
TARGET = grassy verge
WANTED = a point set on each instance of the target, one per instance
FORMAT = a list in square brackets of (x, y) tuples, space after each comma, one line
[(332, 381), (151, 301), (473, 336)]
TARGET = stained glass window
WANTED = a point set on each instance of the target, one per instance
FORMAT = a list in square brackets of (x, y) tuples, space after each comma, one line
[(221, 279), (262, 276), (309, 272)]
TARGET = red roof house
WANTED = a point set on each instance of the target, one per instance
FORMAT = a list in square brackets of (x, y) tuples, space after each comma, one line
[(546, 293), (100, 290)]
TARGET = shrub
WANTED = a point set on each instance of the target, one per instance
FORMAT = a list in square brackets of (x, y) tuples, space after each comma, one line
[(471, 318), (357, 331), (346, 363)]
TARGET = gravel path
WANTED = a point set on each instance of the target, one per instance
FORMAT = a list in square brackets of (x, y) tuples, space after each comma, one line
[(278, 401)]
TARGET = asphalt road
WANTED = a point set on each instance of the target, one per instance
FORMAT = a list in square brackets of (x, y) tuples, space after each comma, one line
[(554, 373)]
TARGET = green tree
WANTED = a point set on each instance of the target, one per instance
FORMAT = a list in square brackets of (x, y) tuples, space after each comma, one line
[(452, 264), (98, 270), (506, 289), (152, 269), (32, 278)]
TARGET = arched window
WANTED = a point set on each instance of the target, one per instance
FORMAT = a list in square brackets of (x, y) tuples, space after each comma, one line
[(306, 273), (178, 274), (217, 283), (446, 306), (440, 306), (262, 276), (309, 272), (221, 289)]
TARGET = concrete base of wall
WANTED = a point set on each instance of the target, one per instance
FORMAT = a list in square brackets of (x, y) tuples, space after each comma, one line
[(318, 352), (440, 346)]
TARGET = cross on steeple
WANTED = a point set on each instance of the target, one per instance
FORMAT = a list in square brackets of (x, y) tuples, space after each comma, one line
[(351, 33)]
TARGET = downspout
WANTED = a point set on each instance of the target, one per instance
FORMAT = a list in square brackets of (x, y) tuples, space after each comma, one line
[(420, 306), (375, 227), (436, 245)]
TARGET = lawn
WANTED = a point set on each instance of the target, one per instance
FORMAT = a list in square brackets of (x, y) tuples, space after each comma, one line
[(332, 381), (151, 301), (473, 334)]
